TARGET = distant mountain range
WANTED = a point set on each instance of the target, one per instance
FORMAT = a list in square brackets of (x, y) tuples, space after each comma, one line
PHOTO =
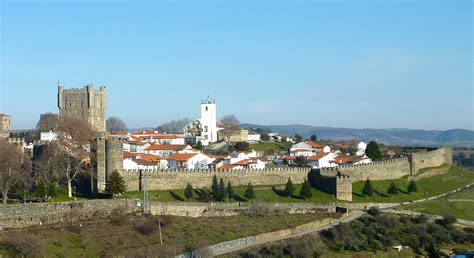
[(393, 136)]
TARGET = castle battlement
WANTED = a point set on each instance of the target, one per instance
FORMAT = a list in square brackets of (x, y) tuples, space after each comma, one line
[(215, 171)]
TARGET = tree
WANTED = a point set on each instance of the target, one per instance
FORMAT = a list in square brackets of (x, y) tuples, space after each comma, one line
[(215, 188), (115, 184), (264, 137), (249, 192), (314, 137), (352, 150), (392, 189), (367, 190), (222, 191), (114, 124), (242, 146), (176, 126), (230, 120), (52, 191), (298, 138), (188, 191), (14, 166), (48, 121), (305, 191), (199, 145), (373, 151), (289, 187), (41, 190), (230, 190), (301, 161), (412, 187)]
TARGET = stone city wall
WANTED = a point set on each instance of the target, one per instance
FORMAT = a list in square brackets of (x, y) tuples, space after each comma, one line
[(168, 179), (36, 214)]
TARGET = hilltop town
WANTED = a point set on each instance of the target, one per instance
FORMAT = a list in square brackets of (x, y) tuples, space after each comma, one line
[(205, 168)]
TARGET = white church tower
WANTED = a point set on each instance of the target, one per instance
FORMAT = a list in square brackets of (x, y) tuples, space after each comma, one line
[(209, 120)]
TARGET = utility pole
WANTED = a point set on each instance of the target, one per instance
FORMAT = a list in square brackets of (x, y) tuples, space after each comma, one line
[(145, 196)]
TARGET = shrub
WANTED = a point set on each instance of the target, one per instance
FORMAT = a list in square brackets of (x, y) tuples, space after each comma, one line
[(22, 245), (41, 190), (289, 187), (215, 188), (242, 146), (249, 192), (420, 219), (368, 190), (412, 187), (257, 210), (147, 227), (392, 189), (306, 190), (374, 211), (188, 191), (205, 195), (52, 191), (229, 190)]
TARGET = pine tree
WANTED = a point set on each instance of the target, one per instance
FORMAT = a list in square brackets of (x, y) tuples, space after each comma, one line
[(215, 188), (188, 191), (373, 151), (289, 188), (392, 189), (305, 191), (222, 191), (115, 184), (412, 187), (230, 190), (367, 190), (249, 192), (41, 191)]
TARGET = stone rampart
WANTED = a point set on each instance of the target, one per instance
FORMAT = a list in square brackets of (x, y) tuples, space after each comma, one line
[(168, 179), (36, 214), (432, 158)]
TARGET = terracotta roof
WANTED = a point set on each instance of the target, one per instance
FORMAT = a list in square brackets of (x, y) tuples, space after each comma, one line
[(146, 162), (120, 133), (300, 150), (227, 167), (147, 131), (166, 147), (181, 156), (318, 156), (127, 154), (314, 144), (287, 158)]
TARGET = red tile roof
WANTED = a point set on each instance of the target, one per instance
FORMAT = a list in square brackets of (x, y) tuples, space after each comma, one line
[(318, 156), (147, 131), (227, 167), (314, 144), (181, 156), (166, 147)]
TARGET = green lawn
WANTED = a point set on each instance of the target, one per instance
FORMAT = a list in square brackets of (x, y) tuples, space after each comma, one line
[(267, 146), (460, 204), (263, 193), (62, 196), (430, 186)]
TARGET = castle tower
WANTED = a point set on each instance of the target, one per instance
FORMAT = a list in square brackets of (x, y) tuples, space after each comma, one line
[(106, 156), (5, 125), (209, 120), (87, 104)]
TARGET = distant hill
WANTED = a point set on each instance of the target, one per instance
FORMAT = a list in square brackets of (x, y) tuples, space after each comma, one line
[(393, 136)]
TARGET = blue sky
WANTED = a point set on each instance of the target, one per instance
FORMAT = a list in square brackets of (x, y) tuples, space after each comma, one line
[(358, 64)]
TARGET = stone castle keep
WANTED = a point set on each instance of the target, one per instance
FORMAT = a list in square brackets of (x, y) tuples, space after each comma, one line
[(107, 154), (86, 104)]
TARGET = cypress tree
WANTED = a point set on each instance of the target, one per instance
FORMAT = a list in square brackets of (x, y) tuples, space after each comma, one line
[(392, 189), (290, 188), (188, 191), (41, 191), (215, 188), (367, 190), (222, 191), (230, 190), (305, 191), (412, 187), (52, 191), (373, 151), (249, 192)]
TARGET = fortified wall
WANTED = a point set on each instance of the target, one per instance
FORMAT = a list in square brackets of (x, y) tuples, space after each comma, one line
[(167, 179)]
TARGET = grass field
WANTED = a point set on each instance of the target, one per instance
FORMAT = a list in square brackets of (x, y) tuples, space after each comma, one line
[(460, 204), (263, 193), (455, 177), (120, 236)]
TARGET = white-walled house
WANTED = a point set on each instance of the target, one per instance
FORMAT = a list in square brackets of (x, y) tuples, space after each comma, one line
[(238, 156), (306, 148), (166, 149), (250, 163), (321, 160), (253, 137), (189, 161), (48, 136), (143, 161), (358, 145)]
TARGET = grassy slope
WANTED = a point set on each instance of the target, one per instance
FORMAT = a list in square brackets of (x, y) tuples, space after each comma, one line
[(95, 238), (265, 146), (457, 207), (262, 193), (431, 186)]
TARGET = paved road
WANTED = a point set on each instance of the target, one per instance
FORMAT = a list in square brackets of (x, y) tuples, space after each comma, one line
[(352, 216)]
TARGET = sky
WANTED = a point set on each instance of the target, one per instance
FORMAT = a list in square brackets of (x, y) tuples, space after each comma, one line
[(354, 64)]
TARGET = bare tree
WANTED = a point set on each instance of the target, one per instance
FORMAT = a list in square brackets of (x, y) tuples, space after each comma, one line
[(230, 120), (14, 166), (77, 130), (48, 121), (175, 126), (45, 165), (115, 124)]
